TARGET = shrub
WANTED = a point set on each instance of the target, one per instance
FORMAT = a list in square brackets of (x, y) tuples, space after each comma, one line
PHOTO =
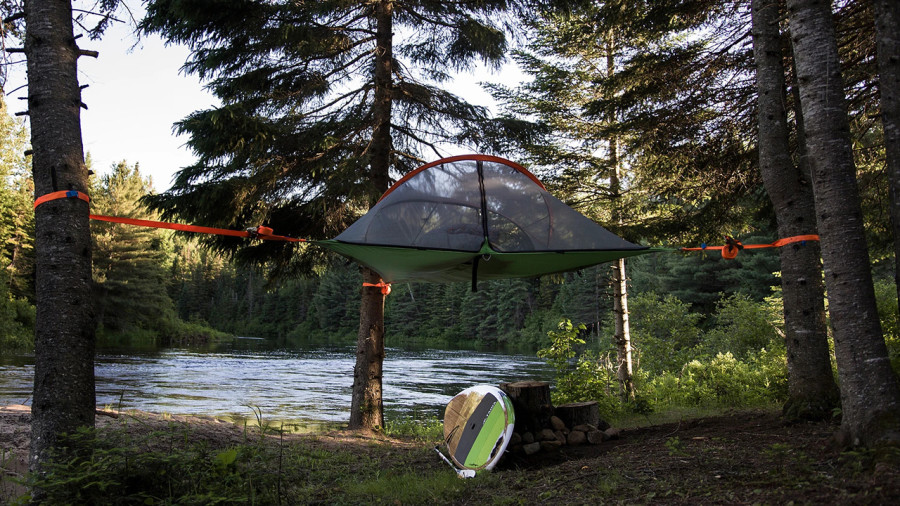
[(16, 324), (886, 298)]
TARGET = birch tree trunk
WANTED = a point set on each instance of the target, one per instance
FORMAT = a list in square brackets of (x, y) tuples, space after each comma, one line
[(64, 327), (366, 408), (887, 47), (812, 392), (625, 369), (870, 395)]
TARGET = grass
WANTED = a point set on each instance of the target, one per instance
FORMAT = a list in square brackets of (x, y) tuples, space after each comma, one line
[(743, 457)]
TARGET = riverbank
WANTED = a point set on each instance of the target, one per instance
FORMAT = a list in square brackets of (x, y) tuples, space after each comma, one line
[(735, 458)]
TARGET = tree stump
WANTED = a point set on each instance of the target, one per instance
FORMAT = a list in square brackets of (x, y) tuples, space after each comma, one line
[(581, 413), (531, 401)]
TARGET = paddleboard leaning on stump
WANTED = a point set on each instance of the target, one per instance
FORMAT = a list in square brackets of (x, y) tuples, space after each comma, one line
[(478, 424)]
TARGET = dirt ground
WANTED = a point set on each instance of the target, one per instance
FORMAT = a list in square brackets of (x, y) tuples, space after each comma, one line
[(738, 458)]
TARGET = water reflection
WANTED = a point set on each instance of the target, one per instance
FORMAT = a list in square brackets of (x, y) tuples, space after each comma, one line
[(307, 384)]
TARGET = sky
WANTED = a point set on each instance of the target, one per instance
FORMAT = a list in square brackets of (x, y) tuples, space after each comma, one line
[(137, 91)]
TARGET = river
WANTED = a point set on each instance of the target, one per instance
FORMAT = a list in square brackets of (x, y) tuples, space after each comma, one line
[(308, 386)]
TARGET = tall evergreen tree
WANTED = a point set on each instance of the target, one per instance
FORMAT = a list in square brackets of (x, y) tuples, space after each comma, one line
[(812, 390), (323, 103), (887, 33), (64, 330), (870, 394), (612, 82), (16, 214), (129, 262)]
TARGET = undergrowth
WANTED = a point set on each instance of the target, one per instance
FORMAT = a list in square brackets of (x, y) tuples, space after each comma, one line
[(174, 466)]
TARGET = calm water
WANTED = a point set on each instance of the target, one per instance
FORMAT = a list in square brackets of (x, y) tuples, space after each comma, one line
[(309, 385)]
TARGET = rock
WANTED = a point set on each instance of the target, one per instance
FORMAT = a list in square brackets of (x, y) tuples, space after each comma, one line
[(527, 438), (515, 439), (613, 433), (595, 437), (531, 448), (576, 437), (550, 446), (557, 423), (560, 436), (585, 427), (547, 435)]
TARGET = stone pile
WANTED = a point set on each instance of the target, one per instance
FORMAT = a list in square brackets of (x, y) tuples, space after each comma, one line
[(542, 427)]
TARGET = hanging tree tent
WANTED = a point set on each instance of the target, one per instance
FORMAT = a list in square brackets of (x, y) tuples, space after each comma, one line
[(475, 217)]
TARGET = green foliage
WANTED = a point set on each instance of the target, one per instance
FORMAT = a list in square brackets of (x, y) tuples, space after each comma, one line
[(415, 427), (16, 322), (16, 211), (129, 263), (177, 465), (722, 382), (738, 362), (295, 141), (562, 344), (743, 326), (579, 375), (886, 298), (665, 332)]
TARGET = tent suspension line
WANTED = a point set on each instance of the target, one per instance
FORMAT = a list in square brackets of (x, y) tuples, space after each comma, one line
[(732, 246), (729, 250)]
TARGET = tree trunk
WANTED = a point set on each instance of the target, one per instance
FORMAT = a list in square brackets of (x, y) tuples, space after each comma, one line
[(581, 413), (625, 370), (531, 403), (870, 395), (812, 392), (366, 404), (366, 409), (887, 43), (64, 328)]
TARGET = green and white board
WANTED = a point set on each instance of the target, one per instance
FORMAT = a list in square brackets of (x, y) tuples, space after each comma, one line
[(478, 424)]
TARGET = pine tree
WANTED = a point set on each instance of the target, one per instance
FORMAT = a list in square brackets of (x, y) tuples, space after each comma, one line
[(870, 394), (887, 21), (600, 120), (812, 391), (64, 331), (322, 104), (16, 213), (130, 263)]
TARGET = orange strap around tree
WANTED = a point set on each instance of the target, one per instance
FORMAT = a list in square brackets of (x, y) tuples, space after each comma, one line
[(385, 287), (260, 232), (731, 247), (70, 194)]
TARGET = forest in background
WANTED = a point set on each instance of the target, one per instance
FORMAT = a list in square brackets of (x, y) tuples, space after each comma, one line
[(152, 286), (698, 320)]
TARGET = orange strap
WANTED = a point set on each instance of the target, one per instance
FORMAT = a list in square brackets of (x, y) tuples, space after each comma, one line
[(385, 287), (70, 194), (731, 248), (264, 233)]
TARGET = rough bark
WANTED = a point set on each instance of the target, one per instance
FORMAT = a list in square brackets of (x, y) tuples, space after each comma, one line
[(531, 402), (366, 408), (64, 398), (812, 391), (581, 413), (870, 395), (887, 47), (366, 404)]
